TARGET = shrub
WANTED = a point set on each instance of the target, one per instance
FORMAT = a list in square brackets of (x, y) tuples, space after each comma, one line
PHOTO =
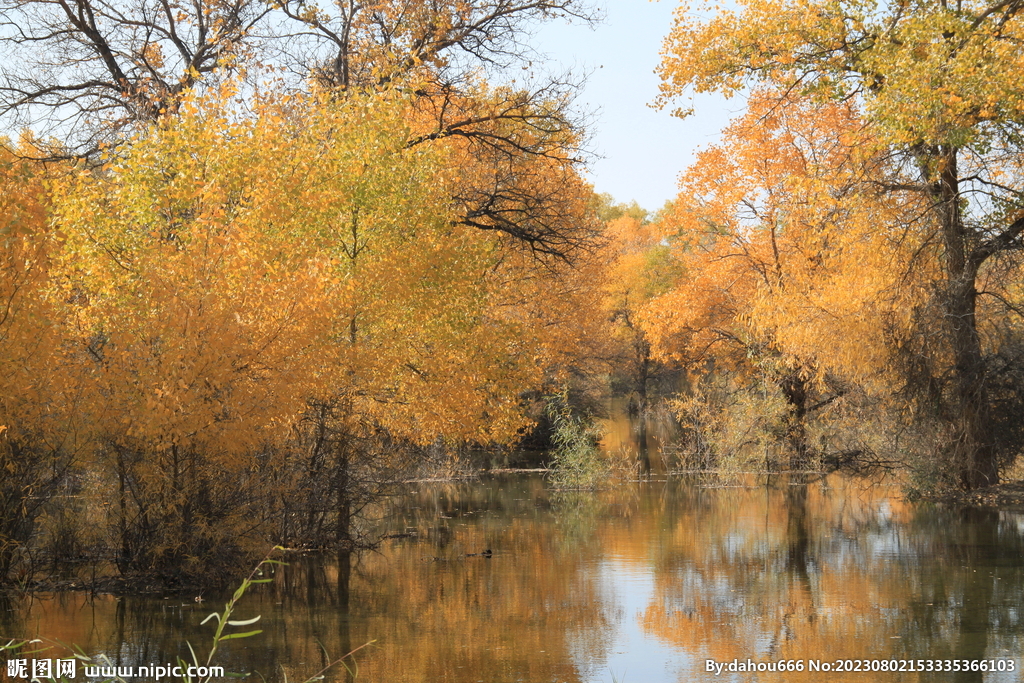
[(576, 461)]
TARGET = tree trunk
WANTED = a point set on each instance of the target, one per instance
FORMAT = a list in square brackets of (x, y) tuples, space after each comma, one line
[(794, 388), (972, 452), (125, 556), (343, 530)]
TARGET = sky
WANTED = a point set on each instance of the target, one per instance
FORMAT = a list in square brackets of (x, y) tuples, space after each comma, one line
[(640, 150)]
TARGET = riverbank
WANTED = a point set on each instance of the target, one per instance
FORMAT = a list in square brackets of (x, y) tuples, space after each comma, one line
[(1007, 496), (636, 582)]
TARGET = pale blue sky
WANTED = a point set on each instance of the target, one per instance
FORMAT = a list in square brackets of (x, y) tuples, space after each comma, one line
[(643, 150)]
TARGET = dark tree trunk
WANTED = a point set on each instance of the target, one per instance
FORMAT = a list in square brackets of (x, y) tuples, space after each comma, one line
[(125, 556), (794, 388), (642, 372), (343, 490), (972, 452)]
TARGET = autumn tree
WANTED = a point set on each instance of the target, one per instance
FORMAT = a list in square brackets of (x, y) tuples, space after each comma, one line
[(637, 268), (514, 154), (41, 437), (941, 89), (784, 277), (191, 312), (274, 308), (89, 72)]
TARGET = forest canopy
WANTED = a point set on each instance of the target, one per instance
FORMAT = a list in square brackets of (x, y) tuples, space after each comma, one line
[(246, 303), (939, 90), (262, 260)]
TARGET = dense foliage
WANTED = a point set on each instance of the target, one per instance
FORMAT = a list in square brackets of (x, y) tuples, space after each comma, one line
[(235, 308), (939, 86)]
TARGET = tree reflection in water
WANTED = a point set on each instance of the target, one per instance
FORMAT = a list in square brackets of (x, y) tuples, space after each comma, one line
[(798, 568)]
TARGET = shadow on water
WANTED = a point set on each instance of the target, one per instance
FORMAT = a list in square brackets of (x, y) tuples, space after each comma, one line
[(645, 581), (643, 435)]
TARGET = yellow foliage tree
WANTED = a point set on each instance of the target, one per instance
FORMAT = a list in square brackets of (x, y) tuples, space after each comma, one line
[(785, 276), (638, 267), (942, 91), (40, 435), (260, 298)]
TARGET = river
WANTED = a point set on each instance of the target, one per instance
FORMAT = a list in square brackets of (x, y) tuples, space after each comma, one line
[(641, 583), (502, 579)]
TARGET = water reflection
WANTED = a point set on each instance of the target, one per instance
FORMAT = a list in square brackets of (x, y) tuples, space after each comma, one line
[(645, 437), (644, 582), (836, 573)]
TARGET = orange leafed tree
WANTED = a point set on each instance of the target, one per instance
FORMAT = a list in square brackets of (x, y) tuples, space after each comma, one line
[(942, 92), (40, 433), (193, 310), (281, 302), (637, 268), (784, 274)]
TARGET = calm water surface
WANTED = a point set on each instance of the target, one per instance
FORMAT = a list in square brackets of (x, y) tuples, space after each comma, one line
[(641, 583)]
